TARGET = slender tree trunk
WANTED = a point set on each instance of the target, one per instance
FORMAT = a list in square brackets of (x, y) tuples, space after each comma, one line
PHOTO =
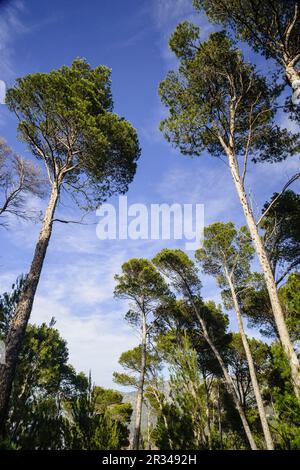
[(268, 275), (140, 393), (15, 336), (259, 401), (228, 380)]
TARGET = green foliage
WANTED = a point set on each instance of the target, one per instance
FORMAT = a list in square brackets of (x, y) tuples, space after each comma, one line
[(216, 102), (238, 365), (140, 279), (179, 434), (52, 407), (44, 381), (131, 361), (181, 420), (142, 284), (289, 295), (179, 315), (187, 391), (20, 179)]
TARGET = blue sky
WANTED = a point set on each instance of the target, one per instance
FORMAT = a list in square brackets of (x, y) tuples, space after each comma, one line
[(77, 280)]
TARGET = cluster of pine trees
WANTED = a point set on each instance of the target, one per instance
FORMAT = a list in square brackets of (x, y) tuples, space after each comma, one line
[(203, 386)]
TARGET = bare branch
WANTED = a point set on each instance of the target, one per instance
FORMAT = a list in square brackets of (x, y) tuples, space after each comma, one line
[(18, 179)]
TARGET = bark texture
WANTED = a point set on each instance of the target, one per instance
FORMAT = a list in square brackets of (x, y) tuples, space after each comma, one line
[(267, 272), (254, 381), (140, 392)]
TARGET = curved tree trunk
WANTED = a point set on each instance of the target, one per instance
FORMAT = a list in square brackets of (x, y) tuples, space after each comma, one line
[(228, 380), (258, 398), (268, 275), (140, 392), (20, 319)]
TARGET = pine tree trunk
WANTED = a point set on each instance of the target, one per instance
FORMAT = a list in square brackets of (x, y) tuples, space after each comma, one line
[(260, 405), (149, 428), (140, 393), (293, 77), (20, 319), (268, 275), (228, 380)]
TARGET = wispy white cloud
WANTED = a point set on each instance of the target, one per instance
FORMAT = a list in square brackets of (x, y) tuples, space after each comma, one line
[(266, 178), (166, 14), (150, 128)]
